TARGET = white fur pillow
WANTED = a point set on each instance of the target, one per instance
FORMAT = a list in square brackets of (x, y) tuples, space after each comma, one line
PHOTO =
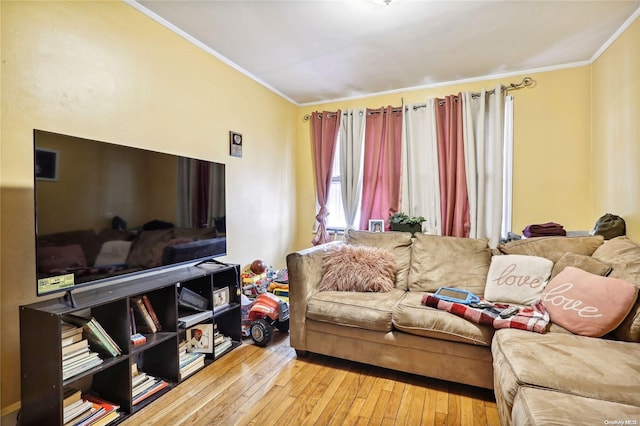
[(516, 278), (358, 268)]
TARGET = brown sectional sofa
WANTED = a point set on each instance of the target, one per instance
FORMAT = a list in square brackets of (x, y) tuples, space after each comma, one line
[(551, 378)]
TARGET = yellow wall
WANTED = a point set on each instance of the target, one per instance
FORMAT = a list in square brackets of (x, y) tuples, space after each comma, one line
[(105, 71), (552, 174), (616, 130)]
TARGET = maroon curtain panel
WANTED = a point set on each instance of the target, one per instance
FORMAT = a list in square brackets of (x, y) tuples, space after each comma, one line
[(324, 135), (454, 201), (382, 165)]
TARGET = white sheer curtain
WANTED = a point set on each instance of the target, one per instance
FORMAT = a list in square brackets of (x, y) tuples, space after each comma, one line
[(483, 129), (507, 205), (351, 147), (420, 177)]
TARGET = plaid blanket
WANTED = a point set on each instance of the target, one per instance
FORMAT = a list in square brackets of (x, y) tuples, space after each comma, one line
[(531, 318)]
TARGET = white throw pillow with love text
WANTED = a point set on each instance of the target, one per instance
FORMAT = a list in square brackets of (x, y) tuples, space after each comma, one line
[(517, 279)]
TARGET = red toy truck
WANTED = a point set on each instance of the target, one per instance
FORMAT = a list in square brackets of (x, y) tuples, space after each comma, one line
[(268, 311)]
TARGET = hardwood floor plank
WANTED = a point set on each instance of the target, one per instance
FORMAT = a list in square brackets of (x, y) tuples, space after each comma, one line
[(271, 386), (418, 395)]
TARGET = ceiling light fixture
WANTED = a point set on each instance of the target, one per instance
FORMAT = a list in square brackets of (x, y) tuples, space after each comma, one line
[(382, 2)]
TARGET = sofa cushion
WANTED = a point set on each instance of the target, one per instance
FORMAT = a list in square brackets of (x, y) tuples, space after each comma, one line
[(586, 263), (398, 243), (371, 311), (588, 304), (577, 365), (624, 257), (411, 316), (358, 268), (533, 406), (518, 279), (449, 262), (553, 248)]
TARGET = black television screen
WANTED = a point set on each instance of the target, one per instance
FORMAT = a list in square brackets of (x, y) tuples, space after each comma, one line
[(104, 210)]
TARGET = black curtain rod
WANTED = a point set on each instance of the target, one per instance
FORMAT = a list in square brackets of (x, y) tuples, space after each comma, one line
[(526, 82)]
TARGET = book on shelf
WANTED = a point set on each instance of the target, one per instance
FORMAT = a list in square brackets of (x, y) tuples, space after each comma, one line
[(81, 359), (74, 347), (71, 395), (157, 387), (143, 386), (97, 336), (223, 347), (190, 358), (132, 321), (72, 339), (74, 413), (144, 322), (188, 319), (104, 412), (152, 312), (191, 368), (69, 330), (93, 362)]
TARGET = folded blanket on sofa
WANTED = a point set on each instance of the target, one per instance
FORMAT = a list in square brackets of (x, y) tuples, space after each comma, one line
[(544, 230), (531, 318)]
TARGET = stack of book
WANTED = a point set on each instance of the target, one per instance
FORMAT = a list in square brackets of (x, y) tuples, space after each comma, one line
[(76, 354), (190, 362), (221, 342), (88, 410), (144, 385), (145, 319), (99, 339), (75, 409)]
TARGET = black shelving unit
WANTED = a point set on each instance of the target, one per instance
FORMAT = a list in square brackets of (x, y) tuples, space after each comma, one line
[(43, 387)]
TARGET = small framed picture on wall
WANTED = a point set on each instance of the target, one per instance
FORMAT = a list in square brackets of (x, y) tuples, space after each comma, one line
[(235, 144), (376, 225)]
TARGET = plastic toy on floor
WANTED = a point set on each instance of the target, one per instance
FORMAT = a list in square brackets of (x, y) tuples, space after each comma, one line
[(268, 311)]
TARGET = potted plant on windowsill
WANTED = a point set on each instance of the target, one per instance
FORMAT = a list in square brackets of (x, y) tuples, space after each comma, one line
[(403, 222)]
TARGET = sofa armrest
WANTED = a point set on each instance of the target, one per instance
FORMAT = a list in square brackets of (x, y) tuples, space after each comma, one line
[(305, 272)]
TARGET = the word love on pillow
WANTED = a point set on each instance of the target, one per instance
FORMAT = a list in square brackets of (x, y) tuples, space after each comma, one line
[(516, 278), (588, 304)]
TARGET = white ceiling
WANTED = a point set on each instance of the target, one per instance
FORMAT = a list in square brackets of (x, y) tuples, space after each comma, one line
[(316, 51)]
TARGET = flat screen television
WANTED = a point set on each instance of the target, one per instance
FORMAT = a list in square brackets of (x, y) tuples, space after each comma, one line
[(105, 211)]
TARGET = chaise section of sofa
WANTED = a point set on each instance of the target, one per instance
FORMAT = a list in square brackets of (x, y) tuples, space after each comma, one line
[(562, 378), (536, 375)]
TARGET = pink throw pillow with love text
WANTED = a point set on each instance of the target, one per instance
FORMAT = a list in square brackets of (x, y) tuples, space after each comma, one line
[(588, 304)]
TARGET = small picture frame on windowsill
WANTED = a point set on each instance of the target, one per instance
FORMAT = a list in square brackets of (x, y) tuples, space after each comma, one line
[(376, 225)]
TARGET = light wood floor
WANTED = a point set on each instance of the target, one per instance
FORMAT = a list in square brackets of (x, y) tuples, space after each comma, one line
[(271, 386)]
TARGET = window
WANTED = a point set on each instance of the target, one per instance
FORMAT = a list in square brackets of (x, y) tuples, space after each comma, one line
[(336, 219)]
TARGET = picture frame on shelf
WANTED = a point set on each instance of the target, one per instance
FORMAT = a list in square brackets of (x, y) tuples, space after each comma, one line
[(376, 225), (200, 338), (220, 298)]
